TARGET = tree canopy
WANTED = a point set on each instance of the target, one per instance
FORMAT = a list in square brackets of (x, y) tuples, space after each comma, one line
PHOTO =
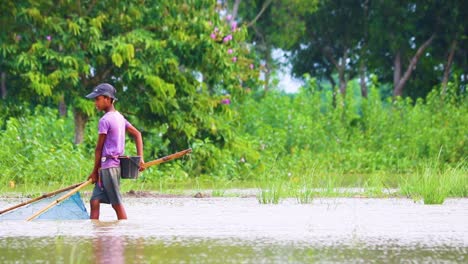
[(172, 62), (183, 68), (413, 45), (201, 74)]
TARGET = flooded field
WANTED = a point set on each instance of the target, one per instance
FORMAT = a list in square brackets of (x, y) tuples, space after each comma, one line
[(240, 230)]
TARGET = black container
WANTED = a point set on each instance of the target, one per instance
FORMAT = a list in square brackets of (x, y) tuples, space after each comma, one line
[(129, 167)]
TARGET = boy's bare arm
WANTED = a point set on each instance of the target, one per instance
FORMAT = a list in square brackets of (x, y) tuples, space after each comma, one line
[(97, 157), (138, 142)]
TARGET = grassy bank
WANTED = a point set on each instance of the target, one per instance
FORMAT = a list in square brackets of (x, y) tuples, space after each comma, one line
[(427, 184)]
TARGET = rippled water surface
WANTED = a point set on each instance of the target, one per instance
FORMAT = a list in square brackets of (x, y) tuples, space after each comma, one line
[(240, 230)]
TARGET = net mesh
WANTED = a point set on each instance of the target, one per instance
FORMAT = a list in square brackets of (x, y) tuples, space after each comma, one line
[(72, 208)]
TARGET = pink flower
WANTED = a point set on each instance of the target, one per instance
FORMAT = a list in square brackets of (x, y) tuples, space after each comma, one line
[(226, 101), (227, 38), (251, 66), (213, 36), (228, 17), (229, 51), (49, 38), (234, 59), (233, 26)]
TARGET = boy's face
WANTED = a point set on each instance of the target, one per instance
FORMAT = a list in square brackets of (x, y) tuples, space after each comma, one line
[(102, 102)]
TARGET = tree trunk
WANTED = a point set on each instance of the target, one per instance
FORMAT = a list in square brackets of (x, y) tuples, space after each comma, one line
[(80, 123), (342, 80), (333, 86), (3, 89), (398, 89), (397, 69), (260, 13), (268, 69), (448, 66), (362, 77), (235, 9), (342, 73), (340, 66), (331, 80), (62, 107)]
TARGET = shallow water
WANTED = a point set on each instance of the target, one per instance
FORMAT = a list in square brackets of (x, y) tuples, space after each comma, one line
[(240, 230)]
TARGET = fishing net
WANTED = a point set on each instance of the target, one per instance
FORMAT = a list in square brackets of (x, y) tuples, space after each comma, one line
[(72, 208)]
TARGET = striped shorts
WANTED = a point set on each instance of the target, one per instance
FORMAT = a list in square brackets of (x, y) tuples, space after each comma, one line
[(109, 190)]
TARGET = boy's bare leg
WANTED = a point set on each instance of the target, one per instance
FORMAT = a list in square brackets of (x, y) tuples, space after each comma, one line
[(95, 206), (120, 211)]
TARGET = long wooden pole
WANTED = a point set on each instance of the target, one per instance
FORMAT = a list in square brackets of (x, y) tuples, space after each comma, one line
[(66, 196), (167, 158), (46, 195), (84, 184)]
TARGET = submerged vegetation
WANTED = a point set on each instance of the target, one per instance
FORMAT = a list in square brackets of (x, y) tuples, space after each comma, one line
[(285, 145)]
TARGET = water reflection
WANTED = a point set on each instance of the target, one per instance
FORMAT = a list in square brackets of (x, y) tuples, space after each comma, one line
[(227, 230), (107, 248)]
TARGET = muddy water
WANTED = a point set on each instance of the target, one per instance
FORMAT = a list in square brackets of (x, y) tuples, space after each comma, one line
[(240, 230)]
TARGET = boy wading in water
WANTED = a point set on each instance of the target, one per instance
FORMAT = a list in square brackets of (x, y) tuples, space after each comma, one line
[(110, 145)]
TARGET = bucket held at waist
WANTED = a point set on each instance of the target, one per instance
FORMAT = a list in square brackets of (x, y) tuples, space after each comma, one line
[(129, 166)]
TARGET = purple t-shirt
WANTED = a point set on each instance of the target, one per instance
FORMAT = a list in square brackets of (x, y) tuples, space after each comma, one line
[(114, 125)]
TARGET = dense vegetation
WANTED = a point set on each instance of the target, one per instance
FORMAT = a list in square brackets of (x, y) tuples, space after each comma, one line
[(201, 75), (280, 139)]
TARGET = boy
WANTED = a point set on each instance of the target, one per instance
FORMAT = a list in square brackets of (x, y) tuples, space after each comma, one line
[(110, 145)]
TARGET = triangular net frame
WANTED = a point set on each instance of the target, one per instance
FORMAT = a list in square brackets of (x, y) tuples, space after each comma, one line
[(72, 208)]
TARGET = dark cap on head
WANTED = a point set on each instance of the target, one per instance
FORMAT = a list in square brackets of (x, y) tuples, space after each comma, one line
[(103, 89)]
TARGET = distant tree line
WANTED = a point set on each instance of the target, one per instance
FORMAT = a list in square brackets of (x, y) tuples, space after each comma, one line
[(413, 45)]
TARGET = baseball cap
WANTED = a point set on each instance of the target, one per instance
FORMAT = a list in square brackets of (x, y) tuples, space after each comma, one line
[(103, 89)]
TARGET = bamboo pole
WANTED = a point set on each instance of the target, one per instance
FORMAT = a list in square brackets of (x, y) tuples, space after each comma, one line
[(46, 195), (59, 200), (167, 158), (84, 184)]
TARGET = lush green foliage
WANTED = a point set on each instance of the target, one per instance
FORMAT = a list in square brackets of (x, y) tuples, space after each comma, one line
[(359, 135), (172, 62), (286, 144), (38, 149), (187, 76)]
